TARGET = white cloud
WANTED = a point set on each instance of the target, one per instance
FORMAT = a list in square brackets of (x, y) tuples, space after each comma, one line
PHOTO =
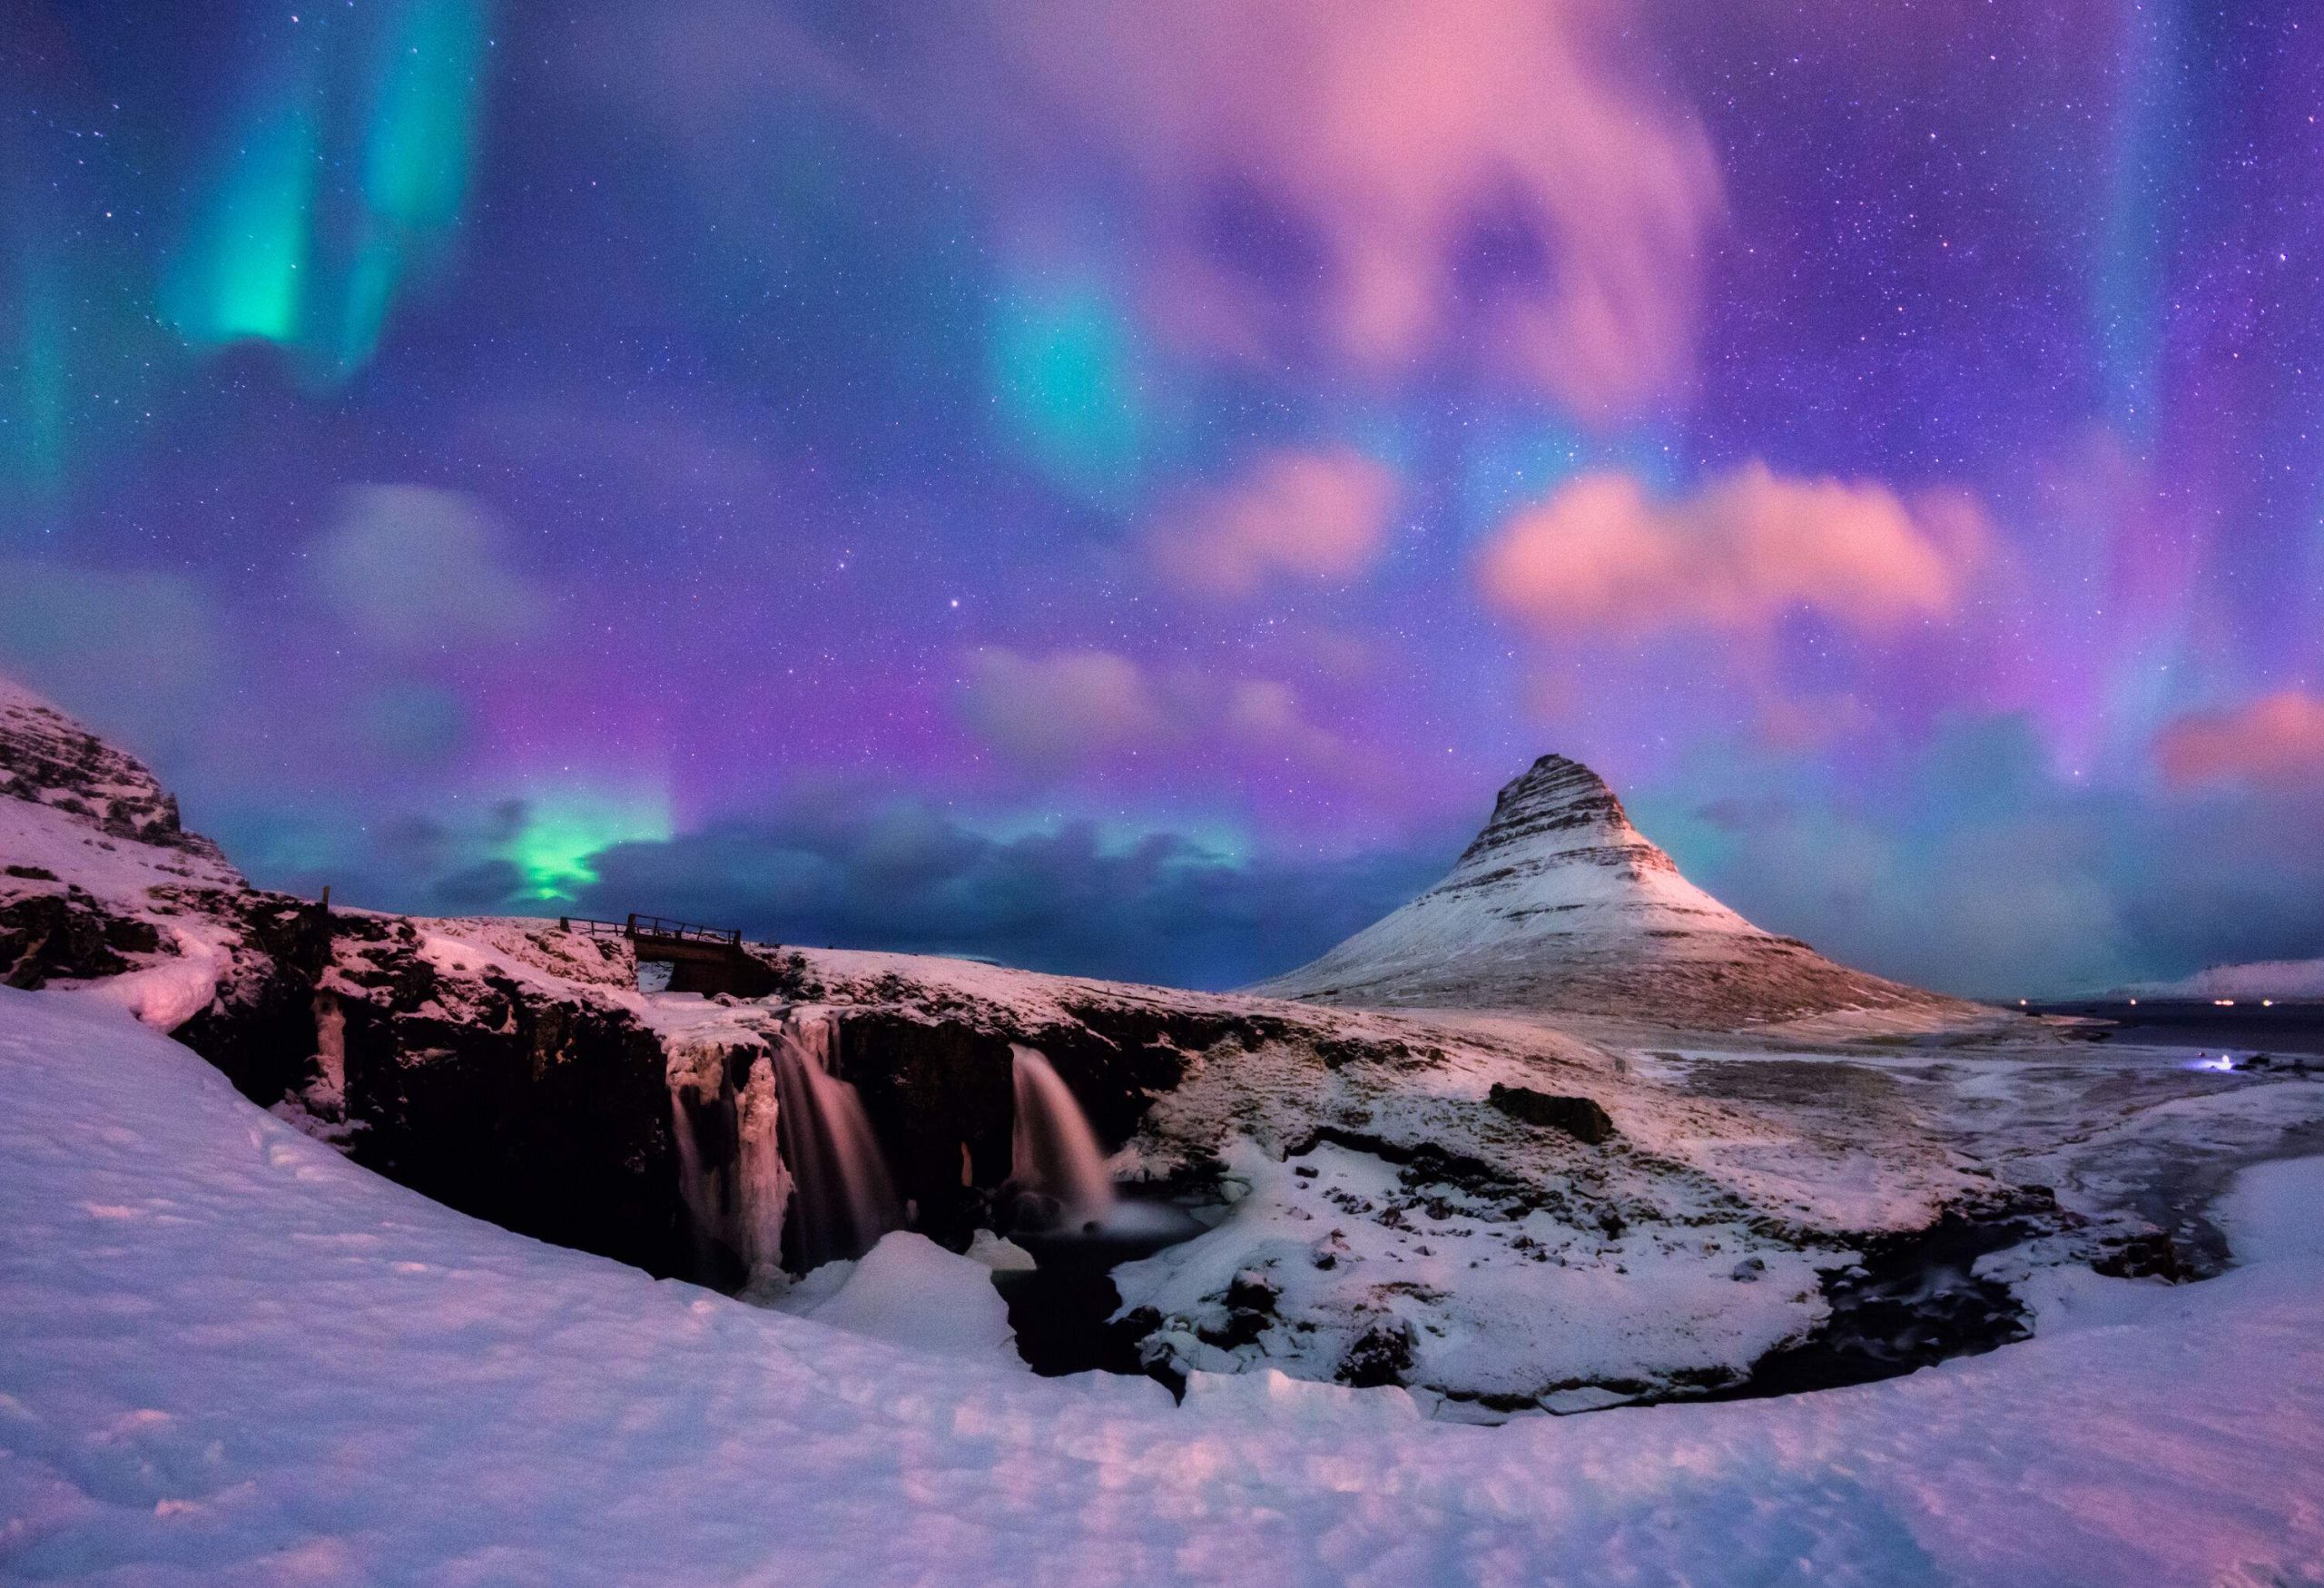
[(411, 569)]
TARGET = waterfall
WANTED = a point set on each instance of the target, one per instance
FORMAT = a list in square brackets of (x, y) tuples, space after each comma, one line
[(842, 1197), (1053, 1150), (702, 1191)]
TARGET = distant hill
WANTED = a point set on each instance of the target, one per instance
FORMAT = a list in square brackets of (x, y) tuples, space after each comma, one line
[(2285, 979)]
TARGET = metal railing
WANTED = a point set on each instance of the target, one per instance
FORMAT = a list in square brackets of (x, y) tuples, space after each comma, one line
[(655, 926), (684, 931)]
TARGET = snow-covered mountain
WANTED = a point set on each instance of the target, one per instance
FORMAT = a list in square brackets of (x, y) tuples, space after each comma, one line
[(2291, 980), (1559, 904)]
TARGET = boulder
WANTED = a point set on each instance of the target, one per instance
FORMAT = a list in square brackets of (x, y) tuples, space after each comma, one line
[(1580, 1117)]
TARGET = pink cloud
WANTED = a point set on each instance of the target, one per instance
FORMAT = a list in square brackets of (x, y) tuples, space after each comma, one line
[(1311, 515), (1266, 717), (1078, 710), (1057, 711), (1604, 558), (1480, 172), (2277, 740)]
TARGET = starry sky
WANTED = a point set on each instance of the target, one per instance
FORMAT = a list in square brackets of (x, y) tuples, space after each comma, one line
[(1115, 487)]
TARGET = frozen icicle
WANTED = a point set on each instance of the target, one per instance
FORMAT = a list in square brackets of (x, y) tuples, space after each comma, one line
[(763, 1184)]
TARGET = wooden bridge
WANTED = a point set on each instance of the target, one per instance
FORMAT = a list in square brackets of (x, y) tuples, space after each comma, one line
[(702, 959)]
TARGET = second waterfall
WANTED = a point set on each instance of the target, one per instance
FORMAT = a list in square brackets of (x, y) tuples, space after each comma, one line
[(1053, 1152)]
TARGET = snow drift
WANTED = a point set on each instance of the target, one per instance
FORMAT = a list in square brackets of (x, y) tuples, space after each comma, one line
[(227, 1354)]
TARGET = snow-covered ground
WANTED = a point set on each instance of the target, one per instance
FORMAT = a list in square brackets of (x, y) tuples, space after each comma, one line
[(2121, 1132), (229, 1355)]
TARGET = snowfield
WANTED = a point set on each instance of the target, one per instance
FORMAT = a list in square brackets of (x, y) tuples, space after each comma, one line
[(229, 1355)]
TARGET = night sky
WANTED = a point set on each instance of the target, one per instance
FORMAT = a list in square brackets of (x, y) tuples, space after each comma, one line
[(1115, 486)]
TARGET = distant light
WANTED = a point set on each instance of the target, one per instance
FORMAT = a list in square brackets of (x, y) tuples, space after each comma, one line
[(2223, 1003), (2134, 1003), (2267, 1003), (2020, 1003)]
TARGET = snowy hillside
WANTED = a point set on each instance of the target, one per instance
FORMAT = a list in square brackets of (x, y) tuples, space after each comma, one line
[(97, 878), (1559, 904), (227, 1354)]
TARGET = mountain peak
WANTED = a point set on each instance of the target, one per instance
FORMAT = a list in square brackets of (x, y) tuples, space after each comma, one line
[(1556, 803), (1559, 902)]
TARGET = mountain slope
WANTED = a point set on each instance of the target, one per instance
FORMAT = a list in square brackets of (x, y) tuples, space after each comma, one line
[(1559, 904)]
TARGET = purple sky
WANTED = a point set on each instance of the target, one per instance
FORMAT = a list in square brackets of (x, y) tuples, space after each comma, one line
[(1117, 487)]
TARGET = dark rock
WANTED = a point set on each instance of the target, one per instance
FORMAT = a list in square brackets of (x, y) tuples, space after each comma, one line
[(1253, 1291), (1580, 1117), (1337, 1052), (549, 1116), (2151, 1256), (939, 1094), (1382, 1356), (1250, 1308), (1913, 1299), (50, 936)]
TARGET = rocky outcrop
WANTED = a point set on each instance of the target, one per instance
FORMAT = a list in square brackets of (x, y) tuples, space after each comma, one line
[(1559, 904), (48, 759), (47, 935), (1583, 1119)]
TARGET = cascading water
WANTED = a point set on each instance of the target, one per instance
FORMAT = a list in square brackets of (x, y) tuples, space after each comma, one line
[(697, 1188), (842, 1197), (1053, 1150)]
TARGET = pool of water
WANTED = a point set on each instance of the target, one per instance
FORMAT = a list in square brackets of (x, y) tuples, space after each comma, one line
[(1062, 1309), (2291, 1028)]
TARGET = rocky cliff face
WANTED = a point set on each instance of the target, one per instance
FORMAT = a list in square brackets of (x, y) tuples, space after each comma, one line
[(1559, 904), (49, 760)]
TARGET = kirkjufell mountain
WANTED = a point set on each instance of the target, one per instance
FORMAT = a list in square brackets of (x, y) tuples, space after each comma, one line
[(1559, 904)]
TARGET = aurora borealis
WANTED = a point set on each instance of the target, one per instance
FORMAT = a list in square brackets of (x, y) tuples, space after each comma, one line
[(1116, 486)]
